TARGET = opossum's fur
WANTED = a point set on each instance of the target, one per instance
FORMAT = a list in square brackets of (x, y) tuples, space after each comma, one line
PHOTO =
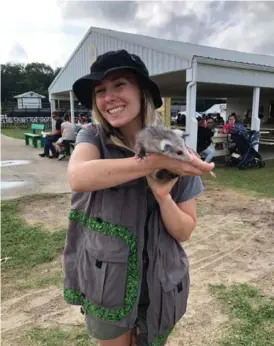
[(162, 140)]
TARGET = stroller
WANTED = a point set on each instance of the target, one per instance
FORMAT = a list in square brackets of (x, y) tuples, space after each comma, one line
[(242, 152)]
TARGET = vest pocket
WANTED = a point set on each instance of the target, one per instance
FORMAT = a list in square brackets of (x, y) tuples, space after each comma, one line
[(91, 277), (174, 295), (181, 297), (103, 278), (107, 269), (115, 285)]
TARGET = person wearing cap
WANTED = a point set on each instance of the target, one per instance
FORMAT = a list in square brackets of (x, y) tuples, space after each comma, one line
[(123, 261)]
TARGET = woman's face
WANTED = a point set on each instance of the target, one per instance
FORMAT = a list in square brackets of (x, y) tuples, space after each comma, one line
[(118, 98), (231, 121)]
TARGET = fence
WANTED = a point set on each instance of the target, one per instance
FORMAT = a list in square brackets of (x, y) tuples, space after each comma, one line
[(23, 118), (24, 122), (29, 113)]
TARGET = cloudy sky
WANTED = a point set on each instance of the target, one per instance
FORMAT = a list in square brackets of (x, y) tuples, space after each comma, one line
[(49, 30)]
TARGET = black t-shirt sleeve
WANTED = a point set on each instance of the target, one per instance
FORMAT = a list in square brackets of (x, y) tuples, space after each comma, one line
[(58, 125)]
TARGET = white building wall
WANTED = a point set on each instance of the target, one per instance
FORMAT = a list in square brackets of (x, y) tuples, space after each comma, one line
[(29, 102), (157, 62)]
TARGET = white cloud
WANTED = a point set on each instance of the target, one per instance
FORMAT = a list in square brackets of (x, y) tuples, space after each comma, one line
[(248, 31), (43, 31), (18, 54), (38, 27)]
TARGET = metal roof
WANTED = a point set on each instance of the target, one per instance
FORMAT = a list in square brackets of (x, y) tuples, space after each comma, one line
[(182, 50), (188, 50), (29, 94)]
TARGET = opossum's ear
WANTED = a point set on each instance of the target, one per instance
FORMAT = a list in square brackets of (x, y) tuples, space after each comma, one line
[(166, 146)]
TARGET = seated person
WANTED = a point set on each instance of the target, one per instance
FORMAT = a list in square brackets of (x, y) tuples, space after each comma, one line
[(204, 147), (219, 120), (83, 119), (247, 119), (210, 123), (201, 121), (52, 137), (232, 125), (67, 132)]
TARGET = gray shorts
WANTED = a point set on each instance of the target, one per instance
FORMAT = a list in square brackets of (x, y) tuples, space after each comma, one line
[(102, 330)]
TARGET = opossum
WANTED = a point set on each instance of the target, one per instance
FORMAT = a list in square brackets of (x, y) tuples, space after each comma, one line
[(160, 139)]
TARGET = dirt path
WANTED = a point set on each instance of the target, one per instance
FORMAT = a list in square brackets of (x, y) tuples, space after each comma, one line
[(40, 175), (233, 243)]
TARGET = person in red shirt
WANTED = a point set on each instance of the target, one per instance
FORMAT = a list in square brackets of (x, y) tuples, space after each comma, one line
[(231, 125)]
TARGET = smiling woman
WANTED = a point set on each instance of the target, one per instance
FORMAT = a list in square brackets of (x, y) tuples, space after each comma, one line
[(117, 100), (123, 262)]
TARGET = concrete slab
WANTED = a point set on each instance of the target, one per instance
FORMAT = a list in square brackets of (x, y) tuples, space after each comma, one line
[(7, 163), (32, 174)]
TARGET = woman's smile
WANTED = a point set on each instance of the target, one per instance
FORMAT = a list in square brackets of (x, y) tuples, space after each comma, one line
[(116, 110)]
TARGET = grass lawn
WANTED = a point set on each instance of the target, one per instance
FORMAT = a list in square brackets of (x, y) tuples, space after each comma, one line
[(15, 133), (256, 180), (52, 336), (27, 248), (31, 254), (251, 316)]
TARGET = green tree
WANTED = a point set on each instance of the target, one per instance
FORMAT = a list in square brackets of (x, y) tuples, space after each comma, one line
[(18, 78)]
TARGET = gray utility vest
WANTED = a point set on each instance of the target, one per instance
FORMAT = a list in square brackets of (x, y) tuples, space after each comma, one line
[(103, 260)]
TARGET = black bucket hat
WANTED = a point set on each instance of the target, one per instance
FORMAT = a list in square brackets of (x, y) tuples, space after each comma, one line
[(110, 62)]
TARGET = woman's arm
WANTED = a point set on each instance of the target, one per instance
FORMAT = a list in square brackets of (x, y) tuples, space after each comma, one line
[(179, 219), (225, 129), (87, 172)]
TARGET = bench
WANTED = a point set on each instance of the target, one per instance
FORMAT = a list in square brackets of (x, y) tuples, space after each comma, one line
[(67, 147), (267, 142), (34, 136)]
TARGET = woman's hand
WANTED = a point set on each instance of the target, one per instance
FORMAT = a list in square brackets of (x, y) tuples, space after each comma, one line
[(195, 166), (179, 219), (159, 188)]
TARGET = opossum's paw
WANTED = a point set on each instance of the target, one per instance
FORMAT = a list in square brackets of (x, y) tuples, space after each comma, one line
[(165, 175), (139, 157)]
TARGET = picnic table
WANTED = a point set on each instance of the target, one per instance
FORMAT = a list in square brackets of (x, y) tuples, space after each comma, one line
[(219, 141)]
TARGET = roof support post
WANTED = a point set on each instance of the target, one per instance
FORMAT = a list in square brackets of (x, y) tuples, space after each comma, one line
[(52, 109), (191, 121), (255, 121), (71, 98)]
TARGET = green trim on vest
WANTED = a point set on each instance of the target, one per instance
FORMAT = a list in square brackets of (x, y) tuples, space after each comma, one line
[(74, 297), (161, 339)]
